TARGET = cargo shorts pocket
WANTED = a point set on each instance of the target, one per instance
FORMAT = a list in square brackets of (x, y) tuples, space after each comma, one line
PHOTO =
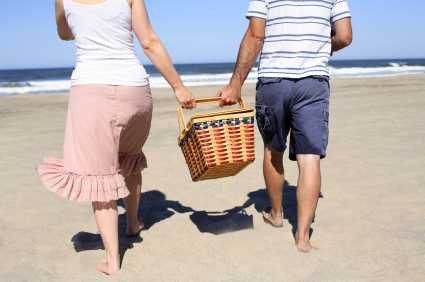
[(325, 131), (265, 122)]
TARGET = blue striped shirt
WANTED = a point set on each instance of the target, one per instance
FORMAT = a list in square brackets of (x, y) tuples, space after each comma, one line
[(297, 41)]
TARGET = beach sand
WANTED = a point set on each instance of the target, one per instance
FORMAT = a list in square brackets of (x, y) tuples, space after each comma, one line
[(370, 220)]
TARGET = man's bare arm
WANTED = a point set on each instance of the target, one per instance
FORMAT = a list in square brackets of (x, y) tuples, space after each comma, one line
[(248, 52), (64, 31), (343, 34)]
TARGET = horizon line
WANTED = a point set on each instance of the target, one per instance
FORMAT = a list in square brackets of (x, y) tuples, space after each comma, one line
[(176, 64)]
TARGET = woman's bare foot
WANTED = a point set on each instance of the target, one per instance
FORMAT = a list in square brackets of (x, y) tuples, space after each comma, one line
[(109, 268), (276, 221), (303, 245), (136, 228)]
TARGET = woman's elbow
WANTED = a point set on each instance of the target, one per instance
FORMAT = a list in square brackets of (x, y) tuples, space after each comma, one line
[(150, 45), (65, 36)]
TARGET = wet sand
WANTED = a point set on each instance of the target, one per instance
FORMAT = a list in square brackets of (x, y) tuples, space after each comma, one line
[(369, 222)]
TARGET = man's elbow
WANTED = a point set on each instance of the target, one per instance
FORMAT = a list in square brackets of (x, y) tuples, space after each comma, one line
[(256, 30), (257, 38), (346, 40)]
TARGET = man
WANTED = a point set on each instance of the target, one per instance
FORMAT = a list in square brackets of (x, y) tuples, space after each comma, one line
[(292, 93)]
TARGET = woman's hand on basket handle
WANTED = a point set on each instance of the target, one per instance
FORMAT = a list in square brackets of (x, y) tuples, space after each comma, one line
[(185, 98), (157, 53)]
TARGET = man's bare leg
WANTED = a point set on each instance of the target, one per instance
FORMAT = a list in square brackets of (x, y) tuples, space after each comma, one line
[(308, 190), (106, 214), (274, 178), (131, 202)]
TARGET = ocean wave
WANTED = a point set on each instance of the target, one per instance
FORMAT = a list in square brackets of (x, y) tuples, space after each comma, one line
[(36, 87), (14, 84), (390, 69), (156, 81), (202, 79)]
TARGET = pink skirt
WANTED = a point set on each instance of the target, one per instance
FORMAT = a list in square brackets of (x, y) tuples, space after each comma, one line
[(106, 129)]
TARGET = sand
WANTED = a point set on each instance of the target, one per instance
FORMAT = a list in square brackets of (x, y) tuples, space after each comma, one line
[(369, 225)]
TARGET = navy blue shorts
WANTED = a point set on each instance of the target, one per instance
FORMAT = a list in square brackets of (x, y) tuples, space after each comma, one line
[(299, 106)]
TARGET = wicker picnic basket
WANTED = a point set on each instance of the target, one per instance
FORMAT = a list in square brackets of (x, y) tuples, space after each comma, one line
[(219, 144)]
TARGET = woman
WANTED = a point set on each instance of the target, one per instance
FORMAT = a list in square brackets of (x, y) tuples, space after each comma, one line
[(109, 112)]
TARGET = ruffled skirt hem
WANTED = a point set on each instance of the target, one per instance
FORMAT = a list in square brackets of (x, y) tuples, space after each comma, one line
[(79, 188), (132, 164)]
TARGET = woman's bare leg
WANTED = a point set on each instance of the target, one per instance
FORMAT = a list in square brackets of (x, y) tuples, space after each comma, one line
[(106, 214), (131, 202)]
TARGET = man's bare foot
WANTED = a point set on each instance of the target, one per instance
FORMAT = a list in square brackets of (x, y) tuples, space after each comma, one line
[(276, 221), (134, 230), (303, 245), (108, 269)]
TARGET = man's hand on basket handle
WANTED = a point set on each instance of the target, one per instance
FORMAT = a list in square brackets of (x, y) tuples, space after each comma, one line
[(185, 97), (230, 95), (248, 53)]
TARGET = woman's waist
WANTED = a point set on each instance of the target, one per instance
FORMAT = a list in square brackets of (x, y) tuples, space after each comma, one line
[(132, 76), (108, 64), (106, 55), (109, 69)]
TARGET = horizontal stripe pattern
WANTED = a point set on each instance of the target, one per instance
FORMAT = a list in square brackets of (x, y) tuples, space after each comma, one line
[(297, 41), (300, 1)]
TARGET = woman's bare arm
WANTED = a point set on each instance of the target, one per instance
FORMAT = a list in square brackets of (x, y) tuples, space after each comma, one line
[(157, 53), (64, 31)]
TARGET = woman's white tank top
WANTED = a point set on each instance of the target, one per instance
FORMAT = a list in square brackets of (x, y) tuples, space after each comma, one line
[(105, 49)]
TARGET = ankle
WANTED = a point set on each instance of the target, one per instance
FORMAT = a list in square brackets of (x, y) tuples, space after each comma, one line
[(113, 260), (301, 237), (132, 224), (276, 215)]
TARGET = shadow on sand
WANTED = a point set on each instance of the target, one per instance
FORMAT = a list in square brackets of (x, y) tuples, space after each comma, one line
[(260, 199), (154, 207)]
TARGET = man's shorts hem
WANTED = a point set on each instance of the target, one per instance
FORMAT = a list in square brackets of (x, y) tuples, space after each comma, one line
[(293, 157), (277, 149)]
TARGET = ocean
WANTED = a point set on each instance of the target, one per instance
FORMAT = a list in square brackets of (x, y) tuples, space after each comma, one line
[(56, 80)]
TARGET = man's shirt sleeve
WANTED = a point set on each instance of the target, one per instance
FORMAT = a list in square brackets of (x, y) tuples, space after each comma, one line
[(258, 9), (340, 10)]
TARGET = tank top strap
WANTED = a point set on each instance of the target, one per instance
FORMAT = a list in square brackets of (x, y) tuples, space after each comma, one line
[(126, 3)]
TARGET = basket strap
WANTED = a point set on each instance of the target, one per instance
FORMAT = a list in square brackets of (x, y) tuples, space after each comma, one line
[(180, 114)]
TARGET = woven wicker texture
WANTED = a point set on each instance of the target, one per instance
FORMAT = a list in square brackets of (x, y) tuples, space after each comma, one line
[(219, 144)]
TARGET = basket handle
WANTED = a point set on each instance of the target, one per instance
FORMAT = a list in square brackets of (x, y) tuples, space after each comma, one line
[(200, 102), (215, 100), (181, 119)]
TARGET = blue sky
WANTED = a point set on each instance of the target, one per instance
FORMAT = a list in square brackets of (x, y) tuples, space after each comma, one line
[(200, 31)]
